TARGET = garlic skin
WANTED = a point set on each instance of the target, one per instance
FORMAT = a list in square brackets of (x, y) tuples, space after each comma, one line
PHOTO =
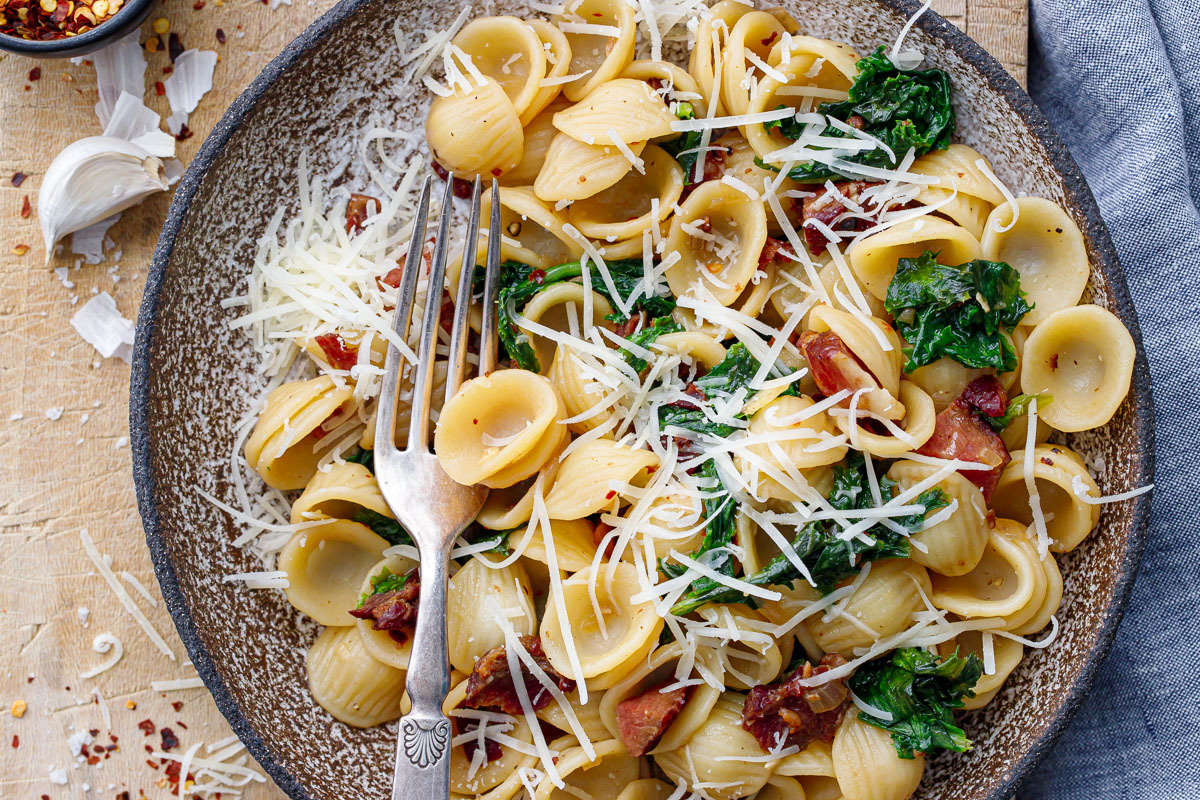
[(91, 180)]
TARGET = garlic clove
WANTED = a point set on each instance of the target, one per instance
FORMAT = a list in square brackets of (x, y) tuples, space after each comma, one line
[(92, 179)]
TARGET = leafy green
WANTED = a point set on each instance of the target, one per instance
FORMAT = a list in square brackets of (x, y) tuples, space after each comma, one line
[(720, 515), (963, 312), (643, 338), (828, 558), (904, 109), (500, 539), (386, 527), (1017, 407), (692, 419), (385, 581), (520, 282), (921, 693), (688, 141), (364, 457)]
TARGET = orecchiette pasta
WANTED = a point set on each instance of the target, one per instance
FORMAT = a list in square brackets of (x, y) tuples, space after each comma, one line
[(867, 767), (598, 54), (718, 236), (508, 51), (326, 566), (1055, 472), (348, 683), (874, 258), (285, 446), (716, 755), (476, 131)]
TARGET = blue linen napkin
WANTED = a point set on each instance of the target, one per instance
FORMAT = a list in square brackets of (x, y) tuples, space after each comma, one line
[(1120, 81)]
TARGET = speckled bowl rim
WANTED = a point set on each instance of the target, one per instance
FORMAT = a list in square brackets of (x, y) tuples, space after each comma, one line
[(1077, 192)]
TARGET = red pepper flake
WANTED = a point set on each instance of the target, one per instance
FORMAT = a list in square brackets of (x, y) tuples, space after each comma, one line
[(26, 210), (16, 741), (1046, 461), (339, 355), (169, 740), (184, 133), (537, 276), (18, 178), (180, 724), (611, 494), (770, 40), (123, 796), (159, 89), (35, 74), (177, 705), (20, 249), (1054, 362), (146, 727), (220, 35), (174, 46), (199, 4), (168, 69)]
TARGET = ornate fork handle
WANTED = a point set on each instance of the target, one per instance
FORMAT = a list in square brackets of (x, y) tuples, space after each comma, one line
[(423, 757)]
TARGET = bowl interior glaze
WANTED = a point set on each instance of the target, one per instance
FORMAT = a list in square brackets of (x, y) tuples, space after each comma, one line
[(194, 379)]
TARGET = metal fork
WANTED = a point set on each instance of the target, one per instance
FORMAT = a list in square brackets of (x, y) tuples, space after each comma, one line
[(433, 508)]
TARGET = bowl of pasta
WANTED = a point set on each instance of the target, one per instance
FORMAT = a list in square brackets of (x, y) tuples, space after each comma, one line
[(818, 457)]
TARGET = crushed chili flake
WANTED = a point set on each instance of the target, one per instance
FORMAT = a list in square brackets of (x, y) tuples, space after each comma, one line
[(199, 4), (130, 705), (177, 705), (167, 70), (35, 74), (147, 727), (20, 249), (159, 89), (16, 741), (220, 35), (18, 178), (537, 276), (174, 46), (26, 209), (169, 740), (611, 494), (184, 133)]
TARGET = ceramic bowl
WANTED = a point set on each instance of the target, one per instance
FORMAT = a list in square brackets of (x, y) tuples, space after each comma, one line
[(193, 379)]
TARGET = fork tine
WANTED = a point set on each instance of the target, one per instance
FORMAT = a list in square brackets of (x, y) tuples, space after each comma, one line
[(488, 345), (462, 302), (389, 390), (418, 427)]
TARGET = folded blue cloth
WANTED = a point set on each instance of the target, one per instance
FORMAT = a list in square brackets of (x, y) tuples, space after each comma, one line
[(1120, 81)]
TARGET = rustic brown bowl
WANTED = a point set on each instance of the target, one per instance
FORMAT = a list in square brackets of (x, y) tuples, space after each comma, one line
[(193, 379)]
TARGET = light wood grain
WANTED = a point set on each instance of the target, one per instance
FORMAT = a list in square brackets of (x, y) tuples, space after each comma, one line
[(60, 476)]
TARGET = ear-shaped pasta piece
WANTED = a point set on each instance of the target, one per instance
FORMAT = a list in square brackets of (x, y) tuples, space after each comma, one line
[(714, 755), (492, 777), (1015, 435), (552, 308), (867, 765), (574, 170), (1007, 654), (883, 605), (510, 506), (719, 237), (944, 380), (781, 787), (918, 424), (1046, 247), (558, 63), (632, 628), (539, 135), (975, 195), (340, 492), (1083, 357), (345, 681), (806, 72), (586, 398), (646, 789), (471, 628), (574, 547), (1041, 615), (955, 545), (1068, 519), (351, 341), (627, 248), (582, 486), (711, 35), (793, 436), (793, 601), (476, 132), (585, 777), (751, 302), (884, 365), (509, 51), (814, 760), (532, 230), (699, 348), (754, 659), (381, 645), (874, 258), (673, 83), (600, 55), (326, 566), (588, 715), (674, 521), (626, 209), (798, 293), (658, 670), (739, 163), (284, 446), (752, 36), (1004, 581), (821, 788), (618, 111), (493, 423)]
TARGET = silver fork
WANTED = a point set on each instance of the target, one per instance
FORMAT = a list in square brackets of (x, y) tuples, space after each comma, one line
[(433, 508)]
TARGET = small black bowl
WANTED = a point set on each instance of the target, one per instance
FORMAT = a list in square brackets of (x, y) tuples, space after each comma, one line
[(131, 15)]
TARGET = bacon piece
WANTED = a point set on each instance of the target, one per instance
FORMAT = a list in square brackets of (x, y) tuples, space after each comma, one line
[(642, 720), (356, 211), (960, 433), (771, 251), (826, 208), (834, 367), (491, 748), (490, 684), (462, 188), (339, 354), (394, 611), (631, 326), (782, 714), (598, 533), (986, 394)]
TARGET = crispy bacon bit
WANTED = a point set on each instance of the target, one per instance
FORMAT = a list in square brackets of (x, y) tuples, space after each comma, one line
[(462, 188), (631, 326), (642, 720), (598, 533), (826, 208), (986, 395), (146, 727), (392, 279), (339, 354), (655, 83), (835, 367), (169, 740), (491, 683), (491, 748), (356, 211), (771, 251), (959, 433), (394, 611), (782, 714)]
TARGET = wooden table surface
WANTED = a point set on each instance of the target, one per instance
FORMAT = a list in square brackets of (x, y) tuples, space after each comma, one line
[(64, 455)]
